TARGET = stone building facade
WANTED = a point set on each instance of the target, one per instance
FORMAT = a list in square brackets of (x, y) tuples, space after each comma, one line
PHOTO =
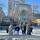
[(2, 14), (12, 4), (19, 10)]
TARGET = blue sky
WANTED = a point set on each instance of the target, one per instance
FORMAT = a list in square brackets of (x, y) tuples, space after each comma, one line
[(4, 4)]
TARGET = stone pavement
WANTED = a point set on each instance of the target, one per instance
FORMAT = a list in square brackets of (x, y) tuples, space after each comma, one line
[(25, 37)]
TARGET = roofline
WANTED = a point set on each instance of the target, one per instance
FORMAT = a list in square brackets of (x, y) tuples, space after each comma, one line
[(23, 4)]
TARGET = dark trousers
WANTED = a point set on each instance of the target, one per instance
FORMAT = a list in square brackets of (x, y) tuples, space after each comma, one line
[(28, 33), (7, 30), (24, 31)]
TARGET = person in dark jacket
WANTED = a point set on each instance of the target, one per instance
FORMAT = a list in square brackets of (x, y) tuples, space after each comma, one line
[(24, 28), (29, 30)]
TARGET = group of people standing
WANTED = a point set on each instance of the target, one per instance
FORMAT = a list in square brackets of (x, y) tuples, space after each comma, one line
[(21, 29)]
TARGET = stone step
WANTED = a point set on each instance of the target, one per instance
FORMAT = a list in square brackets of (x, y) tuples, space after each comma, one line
[(2, 31)]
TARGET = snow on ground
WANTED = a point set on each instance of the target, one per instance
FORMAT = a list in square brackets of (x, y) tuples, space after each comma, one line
[(36, 32)]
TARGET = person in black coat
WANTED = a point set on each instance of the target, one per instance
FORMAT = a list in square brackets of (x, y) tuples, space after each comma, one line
[(29, 29), (24, 28)]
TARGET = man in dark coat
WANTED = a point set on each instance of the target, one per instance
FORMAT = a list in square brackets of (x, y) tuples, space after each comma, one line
[(24, 28), (29, 30)]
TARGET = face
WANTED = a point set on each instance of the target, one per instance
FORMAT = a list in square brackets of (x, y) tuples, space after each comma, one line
[(23, 24)]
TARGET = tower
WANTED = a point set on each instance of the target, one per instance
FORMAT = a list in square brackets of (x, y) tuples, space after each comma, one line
[(2, 14), (12, 4)]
